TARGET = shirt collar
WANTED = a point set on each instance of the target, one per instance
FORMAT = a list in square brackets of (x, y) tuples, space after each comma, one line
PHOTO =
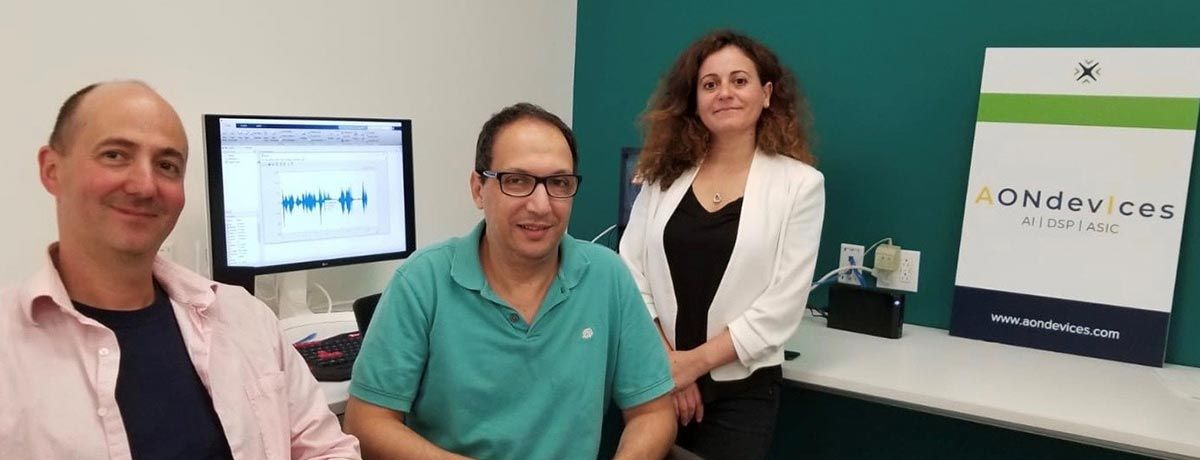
[(185, 286), (181, 285), (467, 270)]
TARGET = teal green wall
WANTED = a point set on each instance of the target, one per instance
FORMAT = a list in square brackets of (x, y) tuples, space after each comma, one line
[(893, 87)]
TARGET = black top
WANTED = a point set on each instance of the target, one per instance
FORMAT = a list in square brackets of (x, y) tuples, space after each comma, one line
[(166, 408), (698, 245)]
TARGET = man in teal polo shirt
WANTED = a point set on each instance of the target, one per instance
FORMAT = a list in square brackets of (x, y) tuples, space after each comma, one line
[(510, 342)]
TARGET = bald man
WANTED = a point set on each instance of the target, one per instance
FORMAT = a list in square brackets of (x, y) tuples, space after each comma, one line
[(112, 353)]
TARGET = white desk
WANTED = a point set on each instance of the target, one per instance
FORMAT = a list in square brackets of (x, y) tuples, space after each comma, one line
[(323, 325), (1121, 406), (1127, 407)]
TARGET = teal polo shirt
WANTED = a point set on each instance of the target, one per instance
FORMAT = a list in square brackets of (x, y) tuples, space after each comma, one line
[(475, 379)]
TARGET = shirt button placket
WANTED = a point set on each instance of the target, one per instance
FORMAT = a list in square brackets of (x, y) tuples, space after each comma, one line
[(107, 391), (517, 323)]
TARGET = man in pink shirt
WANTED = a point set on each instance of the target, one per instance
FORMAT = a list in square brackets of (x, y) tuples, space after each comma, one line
[(111, 353)]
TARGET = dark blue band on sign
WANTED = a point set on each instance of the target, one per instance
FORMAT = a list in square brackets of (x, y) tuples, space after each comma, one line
[(1090, 329)]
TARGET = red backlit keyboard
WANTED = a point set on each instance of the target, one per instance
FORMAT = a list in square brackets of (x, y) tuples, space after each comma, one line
[(331, 359)]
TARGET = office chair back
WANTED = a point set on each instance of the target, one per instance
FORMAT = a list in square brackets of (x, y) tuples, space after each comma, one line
[(364, 308)]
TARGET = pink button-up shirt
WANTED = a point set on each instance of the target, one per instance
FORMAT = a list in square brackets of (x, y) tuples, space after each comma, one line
[(58, 375)]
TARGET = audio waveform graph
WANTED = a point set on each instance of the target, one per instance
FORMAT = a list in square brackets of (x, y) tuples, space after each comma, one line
[(317, 201), (311, 203)]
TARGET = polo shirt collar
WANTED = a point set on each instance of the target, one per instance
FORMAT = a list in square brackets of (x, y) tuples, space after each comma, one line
[(467, 270)]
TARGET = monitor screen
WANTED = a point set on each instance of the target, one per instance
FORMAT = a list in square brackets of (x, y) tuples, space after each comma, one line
[(293, 193), (628, 189)]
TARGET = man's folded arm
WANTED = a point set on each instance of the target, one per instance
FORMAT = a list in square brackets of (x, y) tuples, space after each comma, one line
[(649, 430), (383, 434)]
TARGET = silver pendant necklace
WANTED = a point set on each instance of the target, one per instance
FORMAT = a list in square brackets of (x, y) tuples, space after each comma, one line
[(717, 197)]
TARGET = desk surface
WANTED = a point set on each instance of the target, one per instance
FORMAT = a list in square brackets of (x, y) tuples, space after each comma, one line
[(1128, 407)]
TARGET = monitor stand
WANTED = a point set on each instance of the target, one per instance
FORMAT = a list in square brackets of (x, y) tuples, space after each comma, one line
[(291, 290), (293, 294)]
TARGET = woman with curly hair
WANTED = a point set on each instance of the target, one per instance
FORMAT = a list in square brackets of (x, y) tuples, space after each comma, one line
[(723, 238)]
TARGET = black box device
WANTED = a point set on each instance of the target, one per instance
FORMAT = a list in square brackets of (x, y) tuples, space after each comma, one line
[(864, 310)]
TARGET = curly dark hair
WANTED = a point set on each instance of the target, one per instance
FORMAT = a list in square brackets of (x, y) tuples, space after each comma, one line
[(675, 137)]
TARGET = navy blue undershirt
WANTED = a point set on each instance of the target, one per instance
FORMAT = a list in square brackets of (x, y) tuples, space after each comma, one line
[(167, 411)]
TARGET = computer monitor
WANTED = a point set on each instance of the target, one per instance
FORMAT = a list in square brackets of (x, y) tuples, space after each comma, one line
[(294, 193), (628, 189)]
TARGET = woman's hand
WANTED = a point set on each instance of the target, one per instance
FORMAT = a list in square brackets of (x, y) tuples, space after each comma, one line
[(688, 405), (686, 367)]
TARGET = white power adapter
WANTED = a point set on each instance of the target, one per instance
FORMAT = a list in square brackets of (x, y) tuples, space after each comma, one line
[(887, 257)]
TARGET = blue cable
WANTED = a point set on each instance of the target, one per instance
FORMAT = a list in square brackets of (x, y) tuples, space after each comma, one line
[(858, 273)]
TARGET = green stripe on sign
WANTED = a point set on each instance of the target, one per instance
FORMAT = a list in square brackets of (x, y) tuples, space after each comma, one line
[(1116, 111)]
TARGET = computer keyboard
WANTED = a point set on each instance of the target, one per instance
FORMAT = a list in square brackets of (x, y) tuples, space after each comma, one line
[(331, 359)]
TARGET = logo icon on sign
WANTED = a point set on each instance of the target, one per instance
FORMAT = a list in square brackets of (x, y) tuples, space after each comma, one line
[(1087, 71)]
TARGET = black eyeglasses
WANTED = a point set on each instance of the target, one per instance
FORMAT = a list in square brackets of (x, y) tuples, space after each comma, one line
[(522, 185)]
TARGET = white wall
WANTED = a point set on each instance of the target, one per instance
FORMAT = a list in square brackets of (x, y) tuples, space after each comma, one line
[(447, 65)]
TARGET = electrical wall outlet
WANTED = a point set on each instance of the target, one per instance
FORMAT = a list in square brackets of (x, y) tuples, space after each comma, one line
[(887, 257), (903, 278), (849, 251)]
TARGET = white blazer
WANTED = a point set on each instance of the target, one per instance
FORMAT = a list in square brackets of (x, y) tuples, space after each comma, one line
[(763, 293)]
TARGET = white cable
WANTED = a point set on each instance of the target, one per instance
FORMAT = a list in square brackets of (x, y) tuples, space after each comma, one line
[(842, 269), (877, 243), (327, 297), (605, 232)]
